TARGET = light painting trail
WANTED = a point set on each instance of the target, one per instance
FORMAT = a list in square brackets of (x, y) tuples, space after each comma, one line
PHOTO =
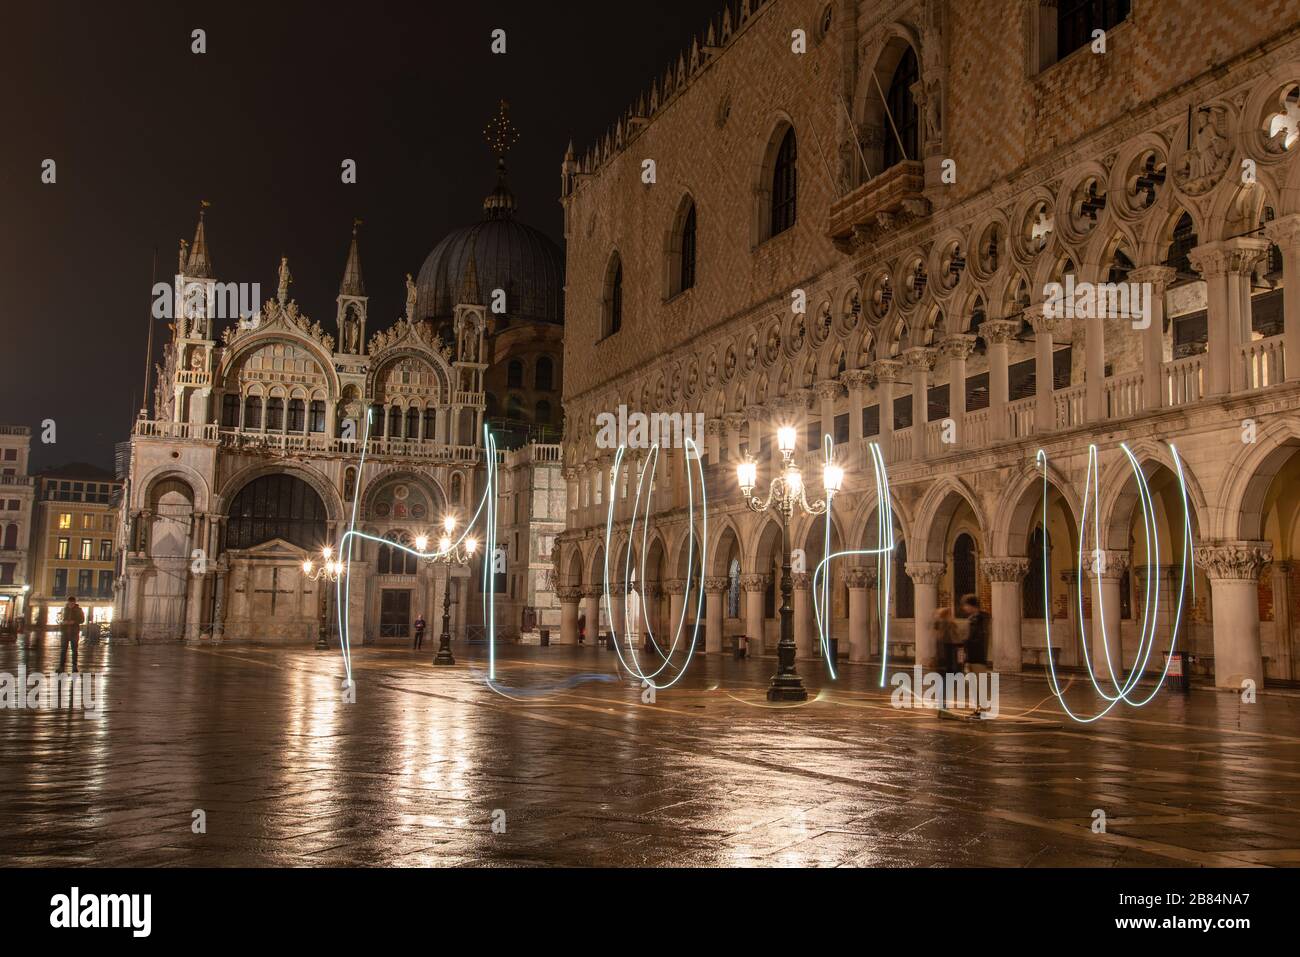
[(1151, 606), (631, 581)]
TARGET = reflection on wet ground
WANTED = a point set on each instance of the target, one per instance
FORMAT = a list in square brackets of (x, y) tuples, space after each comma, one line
[(419, 769)]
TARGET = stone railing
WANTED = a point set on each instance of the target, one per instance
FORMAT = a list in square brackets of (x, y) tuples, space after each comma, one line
[(871, 207), (1263, 362), (901, 445), (163, 429), (1020, 417), (1185, 380), (977, 429), (1124, 395), (1069, 406)]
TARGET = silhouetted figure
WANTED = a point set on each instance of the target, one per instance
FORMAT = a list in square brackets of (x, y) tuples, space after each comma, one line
[(947, 641), (70, 625), (582, 628), (419, 631), (977, 633)]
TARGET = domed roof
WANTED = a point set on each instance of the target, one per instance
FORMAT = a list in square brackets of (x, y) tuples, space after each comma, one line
[(498, 252)]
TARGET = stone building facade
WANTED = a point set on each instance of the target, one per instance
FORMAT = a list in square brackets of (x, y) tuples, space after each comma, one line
[(251, 460), (852, 217), (74, 543), (16, 498)]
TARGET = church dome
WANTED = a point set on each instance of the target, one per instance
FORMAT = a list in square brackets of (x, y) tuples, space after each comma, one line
[(499, 252)]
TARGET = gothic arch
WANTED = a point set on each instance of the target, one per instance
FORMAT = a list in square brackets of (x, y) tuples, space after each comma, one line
[(202, 494), (935, 514), (1021, 502), (246, 344), (328, 493)]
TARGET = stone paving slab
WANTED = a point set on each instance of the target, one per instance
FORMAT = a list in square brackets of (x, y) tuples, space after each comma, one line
[(707, 775)]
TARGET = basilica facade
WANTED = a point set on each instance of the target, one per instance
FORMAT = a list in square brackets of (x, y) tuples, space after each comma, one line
[(857, 219), (270, 436)]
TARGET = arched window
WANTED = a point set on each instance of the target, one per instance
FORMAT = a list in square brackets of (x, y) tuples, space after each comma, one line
[(905, 600), (397, 561), (457, 486), (430, 424), (733, 589), (316, 415), (412, 423), (963, 569), (230, 411), (544, 375), (514, 408), (349, 483), (902, 108), (276, 506), (543, 414), (684, 250), (612, 318), (394, 422), (515, 374), (376, 424), (297, 415), (785, 184), (253, 412), (11, 536), (274, 414)]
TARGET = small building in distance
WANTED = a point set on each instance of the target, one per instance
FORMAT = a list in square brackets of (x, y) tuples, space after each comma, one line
[(15, 524)]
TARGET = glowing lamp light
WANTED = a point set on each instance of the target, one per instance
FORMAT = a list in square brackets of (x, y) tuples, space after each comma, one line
[(306, 567), (747, 473), (786, 436), (832, 477), (793, 481), (471, 545), (327, 551), (421, 542), (449, 523), (444, 544)]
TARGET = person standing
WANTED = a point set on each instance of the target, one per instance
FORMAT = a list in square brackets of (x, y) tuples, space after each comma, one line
[(977, 631), (70, 626), (419, 631), (946, 641)]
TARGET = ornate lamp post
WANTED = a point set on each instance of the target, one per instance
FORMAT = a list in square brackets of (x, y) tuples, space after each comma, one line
[(449, 553), (328, 572), (786, 494)]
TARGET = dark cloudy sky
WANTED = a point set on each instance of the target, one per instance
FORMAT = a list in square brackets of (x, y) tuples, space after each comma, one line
[(142, 129)]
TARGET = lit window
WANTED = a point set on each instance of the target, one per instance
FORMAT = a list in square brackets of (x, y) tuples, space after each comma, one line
[(65, 520), (86, 546), (65, 548)]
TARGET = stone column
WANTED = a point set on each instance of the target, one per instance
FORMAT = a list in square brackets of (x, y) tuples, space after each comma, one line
[(997, 333), (1154, 351), (859, 633), (1233, 568), (714, 588), (1006, 576), (676, 589), (828, 392), (1282, 619), (591, 598), (856, 382), (754, 587), (713, 439), (1226, 265), (733, 422), (1044, 373), (568, 597), (617, 607), (887, 372), (957, 349), (1286, 233), (802, 605), (925, 583), (921, 361), (1105, 571), (756, 417)]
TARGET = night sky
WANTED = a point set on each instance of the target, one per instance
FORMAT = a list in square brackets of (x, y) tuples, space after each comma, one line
[(142, 129)]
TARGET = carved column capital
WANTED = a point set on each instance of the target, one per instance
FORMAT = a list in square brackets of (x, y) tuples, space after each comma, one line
[(888, 370), (1228, 256), (1043, 324), (856, 378), (1285, 231), (733, 421), (958, 346), (675, 586), (569, 594), (753, 582), (592, 591), (1234, 560), (712, 426), (925, 573), (1158, 276), (859, 577), (829, 389), (996, 331), (801, 580), (1005, 569), (715, 586), (920, 359), (1106, 564)]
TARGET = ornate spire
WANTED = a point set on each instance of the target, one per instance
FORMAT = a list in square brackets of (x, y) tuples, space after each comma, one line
[(199, 266), (353, 284), (501, 136)]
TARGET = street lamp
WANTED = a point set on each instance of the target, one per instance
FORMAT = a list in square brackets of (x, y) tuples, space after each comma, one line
[(449, 553), (329, 572), (786, 494)]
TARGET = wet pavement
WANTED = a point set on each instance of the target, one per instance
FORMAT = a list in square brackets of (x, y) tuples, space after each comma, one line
[(418, 770)]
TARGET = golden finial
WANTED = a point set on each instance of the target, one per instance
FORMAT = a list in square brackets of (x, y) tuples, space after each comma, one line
[(500, 134)]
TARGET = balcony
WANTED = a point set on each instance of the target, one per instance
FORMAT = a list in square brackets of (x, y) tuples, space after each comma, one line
[(881, 204)]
